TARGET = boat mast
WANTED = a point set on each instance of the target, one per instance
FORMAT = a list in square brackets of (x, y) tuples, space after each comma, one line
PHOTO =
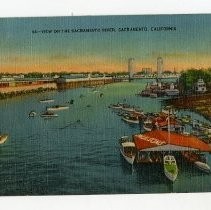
[(169, 108)]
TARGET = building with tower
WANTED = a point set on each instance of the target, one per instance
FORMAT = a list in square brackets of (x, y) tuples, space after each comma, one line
[(159, 67), (131, 68)]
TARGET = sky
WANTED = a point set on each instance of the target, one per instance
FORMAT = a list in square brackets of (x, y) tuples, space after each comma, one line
[(22, 51)]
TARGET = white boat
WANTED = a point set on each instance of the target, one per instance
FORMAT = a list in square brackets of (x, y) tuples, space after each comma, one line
[(172, 91), (48, 114), (200, 86), (47, 100), (57, 108), (128, 109), (3, 138), (148, 126), (116, 106), (202, 166), (32, 114), (127, 149), (131, 119), (170, 167)]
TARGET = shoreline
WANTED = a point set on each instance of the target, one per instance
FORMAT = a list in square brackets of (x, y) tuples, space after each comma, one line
[(197, 103), (10, 92)]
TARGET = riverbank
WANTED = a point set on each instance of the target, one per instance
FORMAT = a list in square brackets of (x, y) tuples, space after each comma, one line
[(198, 103), (9, 92)]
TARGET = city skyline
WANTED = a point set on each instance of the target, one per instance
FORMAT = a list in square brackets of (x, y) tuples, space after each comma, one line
[(26, 46)]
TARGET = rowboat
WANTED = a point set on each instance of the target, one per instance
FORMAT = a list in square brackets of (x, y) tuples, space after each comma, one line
[(170, 167), (57, 108), (3, 138), (48, 114), (127, 149), (131, 119), (46, 100), (202, 166), (32, 114)]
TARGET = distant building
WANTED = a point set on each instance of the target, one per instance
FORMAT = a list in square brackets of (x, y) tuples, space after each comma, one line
[(131, 67), (200, 86), (159, 67), (20, 76), (7, 78), (147, 70)]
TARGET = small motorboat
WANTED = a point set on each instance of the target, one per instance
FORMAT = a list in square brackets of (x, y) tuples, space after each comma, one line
[(128, 109), (127, 149), (32, 114), (116, 106), (202, 166), (170, 167), (3, 138), (49, 114), (131, 119), (148, 125), (46, 100), (57, 108)]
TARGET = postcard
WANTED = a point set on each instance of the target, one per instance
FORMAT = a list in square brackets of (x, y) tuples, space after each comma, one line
[(105, 105)]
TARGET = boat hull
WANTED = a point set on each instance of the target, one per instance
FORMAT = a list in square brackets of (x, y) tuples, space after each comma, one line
[(57, 109), (130, 121), (47, 101), (202, 166), (130, 160), (147, 128), (170, 176)]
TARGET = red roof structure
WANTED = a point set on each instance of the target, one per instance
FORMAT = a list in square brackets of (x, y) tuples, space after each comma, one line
[(158, 140)]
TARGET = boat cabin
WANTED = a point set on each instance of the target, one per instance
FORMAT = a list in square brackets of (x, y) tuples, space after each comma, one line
[(200, 86)]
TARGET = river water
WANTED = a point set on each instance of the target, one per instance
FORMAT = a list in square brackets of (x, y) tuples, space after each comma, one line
[(77, 152)]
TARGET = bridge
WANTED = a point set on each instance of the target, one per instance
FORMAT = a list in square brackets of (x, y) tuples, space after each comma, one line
[(64, 83)]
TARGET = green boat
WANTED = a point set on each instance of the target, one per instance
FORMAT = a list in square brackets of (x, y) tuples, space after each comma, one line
[(170, 167)]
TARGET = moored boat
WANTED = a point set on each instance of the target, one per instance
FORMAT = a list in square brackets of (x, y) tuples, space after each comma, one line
[(116, 106), (202, 166), (131, 119), (57, 108), (172, 91), (48, 114), (127, 149), (148, 125), (3, 138), (153, 95), (46, 100), (32, 114), (170, 167)]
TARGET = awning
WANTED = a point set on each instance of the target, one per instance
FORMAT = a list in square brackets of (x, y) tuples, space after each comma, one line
[(158, 140)]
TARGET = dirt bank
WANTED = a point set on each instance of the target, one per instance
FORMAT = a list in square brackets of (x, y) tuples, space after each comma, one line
[(198, 103)]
